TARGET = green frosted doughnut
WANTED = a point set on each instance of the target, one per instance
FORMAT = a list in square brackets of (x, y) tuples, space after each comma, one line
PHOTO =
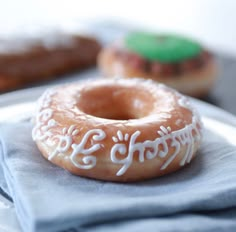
[(163, 47)]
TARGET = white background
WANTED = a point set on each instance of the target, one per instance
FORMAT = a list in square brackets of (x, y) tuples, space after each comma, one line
[(211, 21)]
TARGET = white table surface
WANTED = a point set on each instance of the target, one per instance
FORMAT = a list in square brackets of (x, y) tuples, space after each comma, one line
[(211, 21)]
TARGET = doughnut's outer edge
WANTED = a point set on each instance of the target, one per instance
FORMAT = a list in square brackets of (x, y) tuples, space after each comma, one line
[(96, 152)]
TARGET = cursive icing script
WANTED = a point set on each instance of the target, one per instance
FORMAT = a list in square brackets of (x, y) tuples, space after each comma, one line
[(62, 142), (150, 149), (44, 121), (88, 159), (167, 145)]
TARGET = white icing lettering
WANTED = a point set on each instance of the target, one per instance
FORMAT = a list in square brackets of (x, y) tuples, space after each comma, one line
[(125, 145), (78, 149), (64, 141), (156, 148)]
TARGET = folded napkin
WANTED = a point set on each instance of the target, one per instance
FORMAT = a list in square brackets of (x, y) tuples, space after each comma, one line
[(200, 197)]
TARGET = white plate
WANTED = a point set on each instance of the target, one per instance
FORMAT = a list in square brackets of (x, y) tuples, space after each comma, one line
[(19, 105), (214, 119)]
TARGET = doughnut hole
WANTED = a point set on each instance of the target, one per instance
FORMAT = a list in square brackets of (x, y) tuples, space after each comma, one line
[(117, 103)]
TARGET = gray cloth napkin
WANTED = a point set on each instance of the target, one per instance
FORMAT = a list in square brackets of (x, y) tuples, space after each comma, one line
[(200, 197)]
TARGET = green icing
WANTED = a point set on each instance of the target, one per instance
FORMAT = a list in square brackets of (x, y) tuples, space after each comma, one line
[(162, 47)]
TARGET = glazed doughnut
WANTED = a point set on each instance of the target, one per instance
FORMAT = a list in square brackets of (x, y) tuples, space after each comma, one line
[(117, 129), (25, 60), (176, 61)]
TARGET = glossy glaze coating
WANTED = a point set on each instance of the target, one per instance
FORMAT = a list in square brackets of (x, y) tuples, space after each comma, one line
[(118, 130)]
